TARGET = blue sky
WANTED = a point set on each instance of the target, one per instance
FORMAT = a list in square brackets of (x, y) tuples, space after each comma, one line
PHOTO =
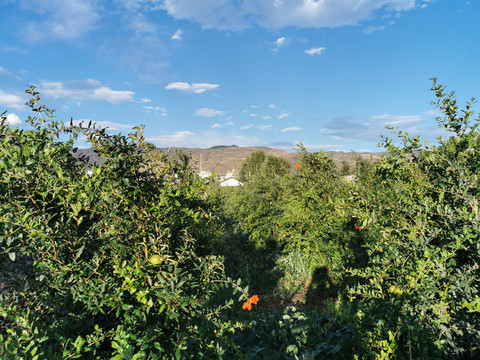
[(328, 73)]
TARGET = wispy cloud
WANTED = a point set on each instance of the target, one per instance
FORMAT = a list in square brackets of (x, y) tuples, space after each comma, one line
[(387, 119), (219, 126), (158, 110), (315, 51), (283, 13), (9, 100), (264, 127), (246, 127), (177, 35), (293, 128), (8, 73), (204, 139), (62, 19), (175, 138), (84, 90), (207, 112), (372, 28), (371, 128), (102, 124), (283, 116), (197, 88)]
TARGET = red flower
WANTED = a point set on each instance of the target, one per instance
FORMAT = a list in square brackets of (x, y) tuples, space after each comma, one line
[(298, 166), (358, 228), (247, 305)]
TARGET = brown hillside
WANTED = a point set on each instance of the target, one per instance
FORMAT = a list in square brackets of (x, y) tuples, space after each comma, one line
[(223, 159)]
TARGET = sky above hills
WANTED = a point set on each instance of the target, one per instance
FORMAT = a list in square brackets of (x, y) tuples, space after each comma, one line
[(328, 73)]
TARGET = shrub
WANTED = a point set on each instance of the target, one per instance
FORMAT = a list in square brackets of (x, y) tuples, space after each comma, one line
[(420, 291), (92, 289)]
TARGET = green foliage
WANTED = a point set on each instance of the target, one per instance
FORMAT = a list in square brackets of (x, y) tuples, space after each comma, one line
[(259, 163), (89, 290), (422, 220), (295, 334), (135, 260)]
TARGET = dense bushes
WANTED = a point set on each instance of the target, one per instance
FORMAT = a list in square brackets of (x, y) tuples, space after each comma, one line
[(384, 267), (400, 244), (422, 218), (90, 290)]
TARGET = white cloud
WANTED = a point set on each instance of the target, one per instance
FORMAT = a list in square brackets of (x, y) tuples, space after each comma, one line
[(197, 88), (228, 17), (266, 117), (370, 129), (143, 100), (432, 112), (13, 119), (283, 13), (175, 138), (204, 139), (282, 41), (284, 115), (315, 51), (218, 126), (329, 147), (62, 19), (84, 90), (288, 146), (159, 110), (6, 72), (252, 115), (246, 127), (291, 129), (264, 127), (102, 124), (372, 28), (9, 100), (177, 35), (387, 119), (208, 112), (272, 106)]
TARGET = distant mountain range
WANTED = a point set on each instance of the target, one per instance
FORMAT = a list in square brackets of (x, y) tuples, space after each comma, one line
[(224, 158)]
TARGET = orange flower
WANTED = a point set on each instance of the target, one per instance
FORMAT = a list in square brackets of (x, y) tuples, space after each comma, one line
[(298, 166), (247, 305)]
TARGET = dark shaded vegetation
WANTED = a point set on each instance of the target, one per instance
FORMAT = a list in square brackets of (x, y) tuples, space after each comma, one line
[(383, 267)]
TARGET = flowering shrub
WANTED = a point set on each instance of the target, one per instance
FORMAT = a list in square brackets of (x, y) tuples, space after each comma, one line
[(248, 304)]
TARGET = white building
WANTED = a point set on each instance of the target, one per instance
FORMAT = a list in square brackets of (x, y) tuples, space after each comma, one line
[(230, 182)]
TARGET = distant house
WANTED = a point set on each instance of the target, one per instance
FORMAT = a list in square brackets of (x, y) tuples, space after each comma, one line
[(230, 182), (349, 178), (204, 174)]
